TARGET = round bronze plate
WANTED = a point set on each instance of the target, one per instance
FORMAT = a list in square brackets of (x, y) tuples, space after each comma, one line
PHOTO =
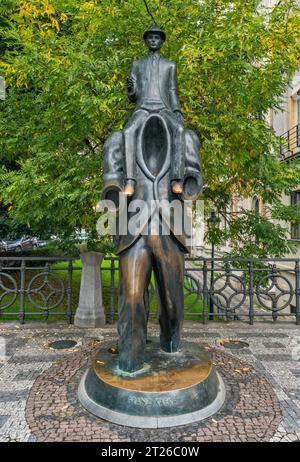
[(162, 371)]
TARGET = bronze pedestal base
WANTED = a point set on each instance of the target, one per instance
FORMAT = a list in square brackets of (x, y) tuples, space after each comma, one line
[(172, 388)]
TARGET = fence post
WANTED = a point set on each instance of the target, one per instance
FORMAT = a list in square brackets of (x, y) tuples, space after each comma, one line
[(228, 314), (112, 290), (46, 308), (205, 292), (251, 293), (22, 291), (274, 304), (297, 292), (69, 292)]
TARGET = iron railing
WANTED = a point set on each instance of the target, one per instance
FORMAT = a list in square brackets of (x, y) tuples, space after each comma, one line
[(228, 289), (290, 143), (36, 286), (248, 288)]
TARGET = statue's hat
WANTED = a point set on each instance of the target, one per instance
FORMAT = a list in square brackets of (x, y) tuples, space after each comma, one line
[(154, 29)]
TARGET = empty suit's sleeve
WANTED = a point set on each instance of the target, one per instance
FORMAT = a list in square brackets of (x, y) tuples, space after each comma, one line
[(193, 175), (113, 168)]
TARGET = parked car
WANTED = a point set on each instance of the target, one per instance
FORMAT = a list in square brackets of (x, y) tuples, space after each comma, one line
[(3, 246), (41, 242), (24, 243)]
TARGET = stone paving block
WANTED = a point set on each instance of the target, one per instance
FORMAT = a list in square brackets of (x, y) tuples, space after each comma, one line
[(11, 396), (3, 419), (32, 439), (27, 375), (274, 357), (293, 393), (203, 334), (34, 359), (262, 334), (296, 372), (273, 345), (242, 351)]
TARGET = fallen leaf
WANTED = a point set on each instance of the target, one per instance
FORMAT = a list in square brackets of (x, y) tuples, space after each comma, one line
[(238, 371)]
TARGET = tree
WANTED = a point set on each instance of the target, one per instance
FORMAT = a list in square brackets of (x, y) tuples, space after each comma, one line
[(65, 64)]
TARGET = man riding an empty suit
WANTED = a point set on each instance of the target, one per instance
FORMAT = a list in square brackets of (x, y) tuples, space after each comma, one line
[(152, 85), (153, 161)]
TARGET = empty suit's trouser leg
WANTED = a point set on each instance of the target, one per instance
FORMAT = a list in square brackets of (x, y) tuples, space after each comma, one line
[(130, 136), (135, 273), (168, 265), (178, 146)]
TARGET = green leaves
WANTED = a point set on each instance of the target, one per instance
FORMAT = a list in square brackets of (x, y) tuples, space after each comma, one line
[(65, 65)]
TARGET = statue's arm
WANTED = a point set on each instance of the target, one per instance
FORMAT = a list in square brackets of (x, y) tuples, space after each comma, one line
[(173, 90), (131, 84)]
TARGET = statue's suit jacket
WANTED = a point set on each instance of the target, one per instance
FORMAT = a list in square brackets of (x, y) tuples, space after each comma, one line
[(113, 170), (167, 81)]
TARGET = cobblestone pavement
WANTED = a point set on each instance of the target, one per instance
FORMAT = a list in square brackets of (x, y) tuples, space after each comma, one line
[(38, 385)]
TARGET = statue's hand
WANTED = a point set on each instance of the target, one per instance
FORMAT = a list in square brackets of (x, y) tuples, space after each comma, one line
[(130, 84), (179, 117)]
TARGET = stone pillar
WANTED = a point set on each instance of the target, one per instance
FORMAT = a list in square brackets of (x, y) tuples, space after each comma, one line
[(90, 311)]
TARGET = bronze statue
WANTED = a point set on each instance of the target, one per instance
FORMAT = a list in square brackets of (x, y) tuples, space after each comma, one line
[(152, 85), (154, 160)]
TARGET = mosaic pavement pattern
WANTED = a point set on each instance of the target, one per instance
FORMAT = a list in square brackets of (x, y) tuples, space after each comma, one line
[(38, 385)]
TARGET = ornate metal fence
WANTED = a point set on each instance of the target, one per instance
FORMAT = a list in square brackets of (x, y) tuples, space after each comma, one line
[(34, 287), (247, 288), (230, 289)]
